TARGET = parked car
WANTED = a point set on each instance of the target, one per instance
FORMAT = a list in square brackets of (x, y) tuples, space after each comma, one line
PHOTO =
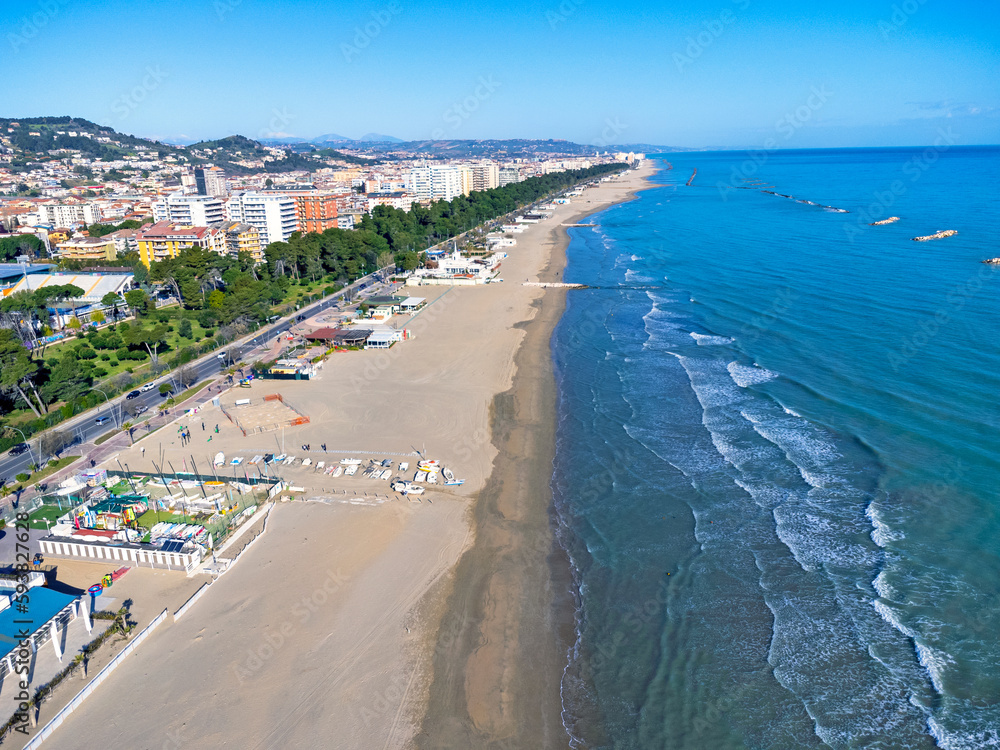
[(18, 449), (132, 395), (102, 420), (148, 387)]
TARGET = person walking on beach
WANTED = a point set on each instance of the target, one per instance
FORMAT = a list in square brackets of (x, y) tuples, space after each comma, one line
[(203, 425), (143, 450)]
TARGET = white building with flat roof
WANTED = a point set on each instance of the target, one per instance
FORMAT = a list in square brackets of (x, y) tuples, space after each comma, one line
[(63, 215), (435, 182), (275, 216), (190, 210)]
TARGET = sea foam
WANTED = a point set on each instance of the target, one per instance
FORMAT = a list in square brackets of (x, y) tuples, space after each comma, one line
[(745, 376)]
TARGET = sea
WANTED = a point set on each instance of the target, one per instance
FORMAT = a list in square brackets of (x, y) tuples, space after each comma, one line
[(777, 469)]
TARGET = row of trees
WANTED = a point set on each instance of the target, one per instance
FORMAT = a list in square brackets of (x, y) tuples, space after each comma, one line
[(230, 294), (420, 227)]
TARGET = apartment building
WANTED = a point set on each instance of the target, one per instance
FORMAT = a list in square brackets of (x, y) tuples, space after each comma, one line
[(507, 175), (87, 248), (401, 200), (66, 215), (242, 238), (190, 210), (275, 216), (125, 241), (485, 176), (435, 182), (166, 239), (210, 181)]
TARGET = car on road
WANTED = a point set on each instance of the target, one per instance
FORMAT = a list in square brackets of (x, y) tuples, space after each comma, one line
[(148, 387), (132, 394), (140, 409), (18, 449), (102, 420)]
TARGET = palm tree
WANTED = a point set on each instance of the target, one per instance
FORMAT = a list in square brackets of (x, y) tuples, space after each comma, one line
[(128, 427)]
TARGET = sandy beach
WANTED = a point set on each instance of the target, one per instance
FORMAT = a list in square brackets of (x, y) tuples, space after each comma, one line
[(382, 622)]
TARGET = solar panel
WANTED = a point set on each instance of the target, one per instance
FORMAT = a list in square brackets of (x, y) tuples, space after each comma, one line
[(173, 545)]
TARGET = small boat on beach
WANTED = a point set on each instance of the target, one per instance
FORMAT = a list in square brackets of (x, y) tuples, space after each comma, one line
[(351, 470), (449, 475), (421, 476), (337, 471), (351, 461)]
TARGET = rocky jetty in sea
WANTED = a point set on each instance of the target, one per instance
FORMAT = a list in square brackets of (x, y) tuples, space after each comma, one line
[(890, 220), (936, 236)]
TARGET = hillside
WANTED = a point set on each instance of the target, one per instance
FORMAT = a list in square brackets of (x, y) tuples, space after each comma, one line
[(42, 139)]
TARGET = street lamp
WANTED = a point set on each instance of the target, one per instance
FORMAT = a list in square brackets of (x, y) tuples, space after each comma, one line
[(110, 407), (27, 443)]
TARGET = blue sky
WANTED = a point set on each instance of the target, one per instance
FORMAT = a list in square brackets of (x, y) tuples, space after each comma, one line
[(701, 73)]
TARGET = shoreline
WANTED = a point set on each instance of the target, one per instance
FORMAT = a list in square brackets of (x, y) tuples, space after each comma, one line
[(498, 658), (391, 636)]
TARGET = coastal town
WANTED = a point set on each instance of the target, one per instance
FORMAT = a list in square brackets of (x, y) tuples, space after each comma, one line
[(340, 387)]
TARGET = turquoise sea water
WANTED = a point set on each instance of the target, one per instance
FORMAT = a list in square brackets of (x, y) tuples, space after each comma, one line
[(777, 465)]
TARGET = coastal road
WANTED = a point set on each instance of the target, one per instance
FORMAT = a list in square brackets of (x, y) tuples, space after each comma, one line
[(84, 428)]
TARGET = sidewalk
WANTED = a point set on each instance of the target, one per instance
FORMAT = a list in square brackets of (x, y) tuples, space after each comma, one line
[(100, 453)]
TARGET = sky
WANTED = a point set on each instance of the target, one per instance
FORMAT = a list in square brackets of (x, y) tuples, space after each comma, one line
[(694, 73)]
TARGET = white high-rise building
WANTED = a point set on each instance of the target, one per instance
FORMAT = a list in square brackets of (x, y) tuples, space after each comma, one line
[(63, 216), (275, 216), (435, 182), (190, 210)]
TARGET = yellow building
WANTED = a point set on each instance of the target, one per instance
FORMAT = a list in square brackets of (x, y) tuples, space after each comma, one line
[(88, 248), (165, 239), (243, 238)]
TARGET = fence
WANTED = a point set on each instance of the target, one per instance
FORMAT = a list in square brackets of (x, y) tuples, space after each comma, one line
[(187, 605), (101, 676)]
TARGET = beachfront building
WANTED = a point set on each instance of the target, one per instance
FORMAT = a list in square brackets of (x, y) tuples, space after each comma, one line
[(87, 248), (275, 216), (190, 210), (41, 616), (457, 269), (166, 239)]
